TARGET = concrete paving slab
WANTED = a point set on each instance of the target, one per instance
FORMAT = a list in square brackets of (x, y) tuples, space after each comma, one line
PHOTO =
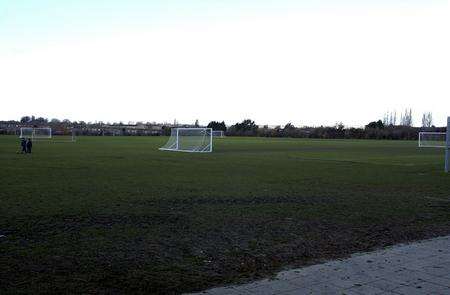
[(326, 289), (418, 268), (267, 287), (385, 284), (424, 288), (365, 290)]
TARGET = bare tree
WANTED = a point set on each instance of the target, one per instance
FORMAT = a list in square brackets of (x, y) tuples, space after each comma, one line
[(393, 118), (386, 119), (406, 118), (427, 119), (390, 118)]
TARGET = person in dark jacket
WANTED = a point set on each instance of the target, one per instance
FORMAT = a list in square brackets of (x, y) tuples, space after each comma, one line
[(23, 145), (29, 145)]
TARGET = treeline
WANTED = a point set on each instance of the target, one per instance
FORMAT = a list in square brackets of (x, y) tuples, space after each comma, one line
[(82, 128), (381, 129), (373, 130)]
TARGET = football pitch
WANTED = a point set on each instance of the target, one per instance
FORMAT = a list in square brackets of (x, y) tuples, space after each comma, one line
[(116, 215)]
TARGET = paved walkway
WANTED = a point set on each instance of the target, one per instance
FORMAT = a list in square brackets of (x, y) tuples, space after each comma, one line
[(418, 268)]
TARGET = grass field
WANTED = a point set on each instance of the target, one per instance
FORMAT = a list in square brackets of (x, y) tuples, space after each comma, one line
[(115, 215)]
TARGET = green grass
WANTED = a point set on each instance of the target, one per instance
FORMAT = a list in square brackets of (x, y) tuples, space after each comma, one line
[(115, 215)]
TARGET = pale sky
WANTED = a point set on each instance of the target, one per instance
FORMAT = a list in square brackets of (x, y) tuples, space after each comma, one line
[(306, 62)]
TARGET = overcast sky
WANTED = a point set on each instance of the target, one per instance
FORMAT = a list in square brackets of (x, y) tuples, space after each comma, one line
[(306, 62)]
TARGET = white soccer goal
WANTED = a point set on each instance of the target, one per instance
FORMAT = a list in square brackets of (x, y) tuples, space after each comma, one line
[(218, 133), (66, 135), (438, 140), (36, 133), (193, 140), (47, 134), (432, 139)]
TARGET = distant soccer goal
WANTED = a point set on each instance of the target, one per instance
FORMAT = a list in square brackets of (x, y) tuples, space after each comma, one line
[(438, 140), (36, 133), (218, 133), (193, 140), (64, 135), (432, 139), (47, 134)]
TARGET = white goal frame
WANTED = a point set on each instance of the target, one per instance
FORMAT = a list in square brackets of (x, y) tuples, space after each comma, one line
[(65, 137), (34, 135), (445, 144), (447, 149), (176, 146), (218, 133), (424, 145)]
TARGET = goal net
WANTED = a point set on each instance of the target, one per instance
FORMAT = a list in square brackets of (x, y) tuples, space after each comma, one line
[(432, 139), (218, 133), (64, 135), (47, 134), (194, 140), (438, 140), (36, 133)]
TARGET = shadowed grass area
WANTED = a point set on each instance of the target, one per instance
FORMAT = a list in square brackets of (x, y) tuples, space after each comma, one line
[(115, 215)]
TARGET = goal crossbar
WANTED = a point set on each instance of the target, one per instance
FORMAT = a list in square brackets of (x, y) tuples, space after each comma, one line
[(433, 139), (36, 132), (437, 140), (47, 134), (189, 140), (218, 133)]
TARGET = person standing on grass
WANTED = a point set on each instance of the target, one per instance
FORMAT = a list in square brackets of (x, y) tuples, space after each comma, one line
[(23, 145), (29, 145)]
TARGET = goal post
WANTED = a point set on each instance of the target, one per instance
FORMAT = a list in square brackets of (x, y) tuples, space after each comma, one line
[(437, 140), (192, 140), (432, 139), (47, 134), (26, 132), (64, 135), (36, 133), (218, 133), (447, 148)]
